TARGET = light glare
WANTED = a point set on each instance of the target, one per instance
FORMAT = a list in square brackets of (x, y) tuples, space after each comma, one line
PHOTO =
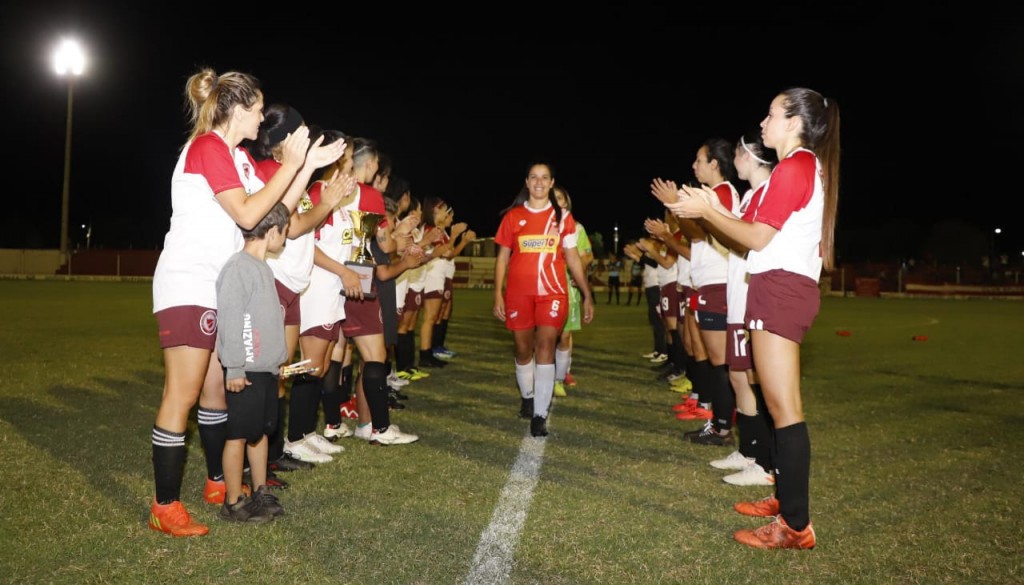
[(69, 58)]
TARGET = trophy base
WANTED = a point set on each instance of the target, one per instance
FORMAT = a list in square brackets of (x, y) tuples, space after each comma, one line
[(365, 272)]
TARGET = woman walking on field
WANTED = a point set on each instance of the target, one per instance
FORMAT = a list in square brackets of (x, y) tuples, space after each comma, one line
[(789, 231), (537, 240)]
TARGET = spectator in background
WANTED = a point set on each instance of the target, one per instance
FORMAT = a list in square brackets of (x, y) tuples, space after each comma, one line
[(614, 277)]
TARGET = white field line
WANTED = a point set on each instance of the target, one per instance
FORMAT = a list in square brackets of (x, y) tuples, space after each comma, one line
[(494, 555)]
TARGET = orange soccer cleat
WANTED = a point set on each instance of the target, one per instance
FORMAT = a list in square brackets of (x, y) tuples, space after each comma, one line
[(214, 491), (175, 520), (764, 507), (777, 535)]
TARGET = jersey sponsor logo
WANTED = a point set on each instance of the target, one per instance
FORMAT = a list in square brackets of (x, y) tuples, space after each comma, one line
[(305, 203), (538, 244), (208, 322)]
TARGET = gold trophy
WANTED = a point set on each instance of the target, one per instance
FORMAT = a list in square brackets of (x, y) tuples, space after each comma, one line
[(364, 229)]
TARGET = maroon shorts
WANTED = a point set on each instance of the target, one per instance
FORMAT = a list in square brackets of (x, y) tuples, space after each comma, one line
[(433, 294), (289, 304), (328, 332), (683, 294), (529, 311), (413, 300), (737, 348), (783, 303), (187, 325), (668, 307), (449, 285), (362, 318), (712, 298)]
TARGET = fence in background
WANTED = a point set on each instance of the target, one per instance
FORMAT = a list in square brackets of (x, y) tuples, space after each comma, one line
[(477, 271)]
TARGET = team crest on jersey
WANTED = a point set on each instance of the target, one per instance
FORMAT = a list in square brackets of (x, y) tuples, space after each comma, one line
[(208, 322), (305, 203), (347, 237), (246, 170), (513, 314), (537, 244), (522, 222)]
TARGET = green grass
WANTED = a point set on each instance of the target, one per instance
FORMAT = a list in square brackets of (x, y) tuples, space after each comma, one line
[(917, 469)]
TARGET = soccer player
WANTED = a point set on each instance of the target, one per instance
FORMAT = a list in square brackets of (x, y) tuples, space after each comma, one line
[(537, 240), (215, 189), (789, 231)]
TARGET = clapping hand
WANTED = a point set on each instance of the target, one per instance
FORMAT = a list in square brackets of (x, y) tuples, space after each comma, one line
[(665, 191)]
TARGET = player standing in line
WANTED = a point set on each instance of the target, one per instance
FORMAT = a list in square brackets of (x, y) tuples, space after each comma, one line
[(574, 321), (363, 324), (752, 460), (537, 240), (789, 231), (709, 265), (293, 265), (215, 189)]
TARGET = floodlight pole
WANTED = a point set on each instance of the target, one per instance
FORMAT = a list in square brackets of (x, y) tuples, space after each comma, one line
[(66, 193)]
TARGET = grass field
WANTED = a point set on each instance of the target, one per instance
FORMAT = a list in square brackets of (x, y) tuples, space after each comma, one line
[(917, 469)]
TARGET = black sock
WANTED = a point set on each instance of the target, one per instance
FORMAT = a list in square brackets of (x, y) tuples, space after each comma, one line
[(701, 379), (723, 399), (763, 431), (746, 435), (678, 355), (330, 394), (213, 432), (375, 389), (168, 464), (346, 383), (404, 352), (303, 406), (441, 334), (793, 474), (426, 355), (435, 337), (275, 440)]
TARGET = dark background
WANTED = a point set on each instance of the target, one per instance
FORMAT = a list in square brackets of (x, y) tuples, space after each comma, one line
[(464, 97)]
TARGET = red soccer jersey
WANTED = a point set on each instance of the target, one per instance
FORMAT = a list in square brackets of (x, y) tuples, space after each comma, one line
[(537, 264)]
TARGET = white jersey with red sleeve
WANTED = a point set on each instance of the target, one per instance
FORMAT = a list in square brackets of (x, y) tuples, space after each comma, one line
[(292, 265), (321, 303), (435, 268), (537, 264), (736, 287), (793, 202), (709, 259), (202, 236), (683, 266)]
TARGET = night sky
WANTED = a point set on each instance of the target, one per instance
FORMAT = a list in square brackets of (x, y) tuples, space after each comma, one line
[(463, 99)]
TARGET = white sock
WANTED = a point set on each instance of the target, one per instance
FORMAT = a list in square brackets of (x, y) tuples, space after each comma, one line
[(544, 388), (524, 377), (562, 361)]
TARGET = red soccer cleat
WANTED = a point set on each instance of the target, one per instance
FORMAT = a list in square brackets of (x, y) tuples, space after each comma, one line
[(777, 535), (175, 520), (764, 507)]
